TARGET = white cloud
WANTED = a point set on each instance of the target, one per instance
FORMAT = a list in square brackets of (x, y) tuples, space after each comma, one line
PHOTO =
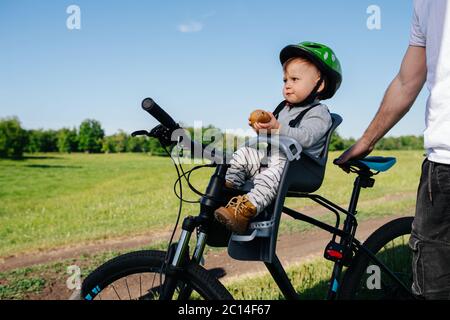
[(191, 26)]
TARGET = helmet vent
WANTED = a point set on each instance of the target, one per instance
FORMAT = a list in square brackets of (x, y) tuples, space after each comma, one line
[(314, 46)]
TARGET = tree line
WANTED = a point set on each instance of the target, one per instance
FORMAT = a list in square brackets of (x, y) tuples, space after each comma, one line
[(90, 137)]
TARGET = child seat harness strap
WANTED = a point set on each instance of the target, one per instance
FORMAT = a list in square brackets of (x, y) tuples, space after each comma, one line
[(293, 123)]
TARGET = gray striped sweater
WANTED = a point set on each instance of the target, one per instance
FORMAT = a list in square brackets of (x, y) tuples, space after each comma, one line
[(312, 129)]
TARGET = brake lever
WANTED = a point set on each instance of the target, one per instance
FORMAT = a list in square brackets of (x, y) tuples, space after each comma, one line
[(140, 133), (160, 132), (163, 134)]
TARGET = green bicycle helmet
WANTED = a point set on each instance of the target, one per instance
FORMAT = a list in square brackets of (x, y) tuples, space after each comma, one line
[(323, 58)]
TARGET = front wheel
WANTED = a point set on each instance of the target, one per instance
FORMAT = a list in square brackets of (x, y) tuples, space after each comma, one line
[(136, 276), (364, 280)]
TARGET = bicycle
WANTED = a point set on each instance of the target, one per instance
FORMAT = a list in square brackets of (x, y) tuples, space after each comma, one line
[(176, 274)]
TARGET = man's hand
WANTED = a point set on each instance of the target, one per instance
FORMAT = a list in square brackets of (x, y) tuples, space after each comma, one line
[(273, 124), (358, 151)]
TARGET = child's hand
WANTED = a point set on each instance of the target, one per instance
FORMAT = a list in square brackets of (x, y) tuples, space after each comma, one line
[(273, 124)]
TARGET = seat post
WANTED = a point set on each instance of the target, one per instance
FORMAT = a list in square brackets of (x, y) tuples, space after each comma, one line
[(363, 180), (349, 221), (355, 195)]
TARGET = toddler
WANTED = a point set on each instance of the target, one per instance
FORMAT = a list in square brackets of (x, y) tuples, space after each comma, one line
[(312, 73)]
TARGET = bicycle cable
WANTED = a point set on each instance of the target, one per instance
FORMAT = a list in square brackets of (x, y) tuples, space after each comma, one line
[(166, 258), (187, 177)]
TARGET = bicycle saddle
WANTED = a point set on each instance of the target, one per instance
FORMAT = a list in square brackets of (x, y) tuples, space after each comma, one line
[(380, 164)]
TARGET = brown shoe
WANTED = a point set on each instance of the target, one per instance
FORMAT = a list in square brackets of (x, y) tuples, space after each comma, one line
[(237, 213)]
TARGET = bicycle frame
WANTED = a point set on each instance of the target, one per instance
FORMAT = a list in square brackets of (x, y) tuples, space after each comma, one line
[(213, 198), (210, 201)]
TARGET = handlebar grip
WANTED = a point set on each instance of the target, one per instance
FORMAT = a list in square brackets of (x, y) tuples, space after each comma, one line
[(158, 113)]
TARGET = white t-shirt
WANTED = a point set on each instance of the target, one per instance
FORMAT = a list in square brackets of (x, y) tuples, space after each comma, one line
[(431, 29)]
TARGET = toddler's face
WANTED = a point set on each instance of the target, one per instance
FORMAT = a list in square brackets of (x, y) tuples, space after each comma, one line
[(300, 78)]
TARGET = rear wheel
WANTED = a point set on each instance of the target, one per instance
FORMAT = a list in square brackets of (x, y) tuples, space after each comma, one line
[(364, 280), (136, 276)]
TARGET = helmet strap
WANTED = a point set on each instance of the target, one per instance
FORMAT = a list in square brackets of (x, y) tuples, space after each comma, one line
[(312, 96)]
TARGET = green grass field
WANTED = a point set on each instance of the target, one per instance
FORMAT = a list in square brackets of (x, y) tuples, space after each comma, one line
[(53, 200)]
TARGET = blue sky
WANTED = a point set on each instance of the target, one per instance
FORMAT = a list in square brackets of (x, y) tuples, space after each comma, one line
[(209, 61)]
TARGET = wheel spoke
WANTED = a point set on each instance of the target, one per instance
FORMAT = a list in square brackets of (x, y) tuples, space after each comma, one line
[(128, 288), (140, 286), (116, 292), (136, 273)]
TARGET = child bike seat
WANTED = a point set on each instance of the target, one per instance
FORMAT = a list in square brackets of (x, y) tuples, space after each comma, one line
[(303, 173)]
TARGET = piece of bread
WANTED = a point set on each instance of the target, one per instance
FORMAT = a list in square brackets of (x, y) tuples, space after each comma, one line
[(259, 116)]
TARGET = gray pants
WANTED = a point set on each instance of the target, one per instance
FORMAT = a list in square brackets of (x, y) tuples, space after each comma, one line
[(430, 237), (264, 171)]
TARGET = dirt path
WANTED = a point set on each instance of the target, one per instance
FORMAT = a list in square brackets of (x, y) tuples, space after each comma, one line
[(121, 244), (118, 244), (293, 248)]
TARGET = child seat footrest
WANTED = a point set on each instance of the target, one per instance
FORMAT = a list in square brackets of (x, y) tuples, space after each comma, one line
[(260, 229)]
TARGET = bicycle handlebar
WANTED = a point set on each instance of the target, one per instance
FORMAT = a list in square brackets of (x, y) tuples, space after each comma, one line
[(159, 114), (196, 148)]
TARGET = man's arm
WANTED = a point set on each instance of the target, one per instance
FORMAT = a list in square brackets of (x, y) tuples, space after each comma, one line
[(398, 99)]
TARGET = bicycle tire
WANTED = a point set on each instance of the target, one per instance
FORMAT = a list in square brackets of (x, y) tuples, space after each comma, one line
[(354, 276), (205, 284)]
